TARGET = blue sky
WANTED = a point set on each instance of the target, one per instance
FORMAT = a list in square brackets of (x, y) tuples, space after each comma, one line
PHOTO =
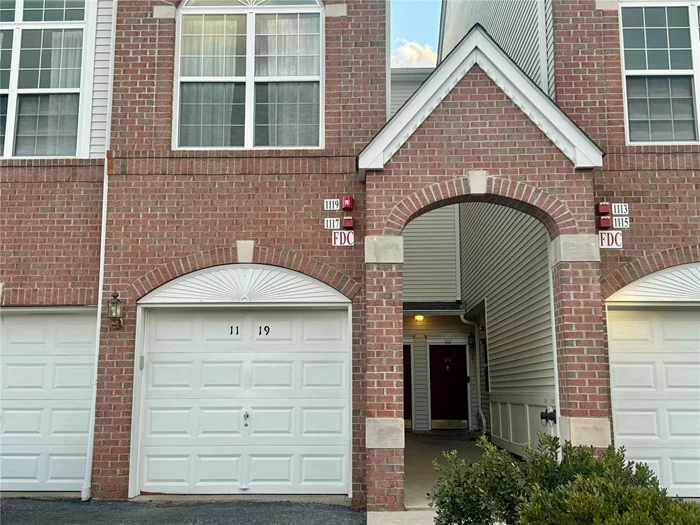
[(415, 26)]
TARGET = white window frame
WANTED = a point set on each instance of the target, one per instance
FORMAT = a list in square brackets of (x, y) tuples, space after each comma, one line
[(88, 26), (250, 79), (692, 6)]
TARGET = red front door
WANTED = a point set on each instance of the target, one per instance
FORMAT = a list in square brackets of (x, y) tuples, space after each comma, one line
[(449, 383)]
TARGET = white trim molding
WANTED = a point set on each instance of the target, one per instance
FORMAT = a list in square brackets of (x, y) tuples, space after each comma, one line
[(243, 283), (479, 49), (678, 284)]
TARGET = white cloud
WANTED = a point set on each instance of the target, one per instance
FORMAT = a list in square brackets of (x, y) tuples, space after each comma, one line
[(413, 54)]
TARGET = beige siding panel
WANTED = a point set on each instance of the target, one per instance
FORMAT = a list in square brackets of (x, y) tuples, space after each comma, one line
[(432, 325), (513, 24), (100, 88), (430, 269), (405, 82), (504, 261), (400, 93)]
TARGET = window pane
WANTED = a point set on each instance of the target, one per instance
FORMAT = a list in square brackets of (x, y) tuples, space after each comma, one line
[(287, 114), (287, 45), (661, 109), (50, 58), (53, 10), (212, 114), (213, 46), (47, 125), (632, 17), (5, 58), (656, 38), (3, 122), (7, 10)]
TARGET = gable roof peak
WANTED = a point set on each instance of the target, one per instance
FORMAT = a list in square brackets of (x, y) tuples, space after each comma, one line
[(478, 48)]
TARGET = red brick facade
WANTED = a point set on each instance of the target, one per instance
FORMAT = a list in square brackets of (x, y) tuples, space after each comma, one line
[(50, 232), (173, 212)]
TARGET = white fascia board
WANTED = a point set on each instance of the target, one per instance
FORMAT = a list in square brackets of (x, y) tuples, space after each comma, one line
[(479, 49)]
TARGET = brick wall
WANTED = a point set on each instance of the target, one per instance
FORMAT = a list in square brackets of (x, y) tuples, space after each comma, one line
[(355, 77), (174, 211), (476, 127), (660, 183), (50, 231)]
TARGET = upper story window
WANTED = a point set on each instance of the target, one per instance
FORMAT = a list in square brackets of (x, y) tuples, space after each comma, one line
[(661, 60), (250, 74), (41, 75)]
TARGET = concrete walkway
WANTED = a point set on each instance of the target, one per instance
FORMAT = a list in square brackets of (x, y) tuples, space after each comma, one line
[(420, 451)]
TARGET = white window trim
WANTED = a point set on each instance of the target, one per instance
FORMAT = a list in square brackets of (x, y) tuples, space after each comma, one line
[(695, 72), (250, 69), (89, 28)]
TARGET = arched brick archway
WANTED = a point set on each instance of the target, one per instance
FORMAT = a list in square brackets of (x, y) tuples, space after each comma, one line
[(649, 264), (552, 212), (288, 259), (578, 315)]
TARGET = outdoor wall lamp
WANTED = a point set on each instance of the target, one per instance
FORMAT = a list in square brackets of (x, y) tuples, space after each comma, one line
[(115, 311), (471, 340), (419, 318)]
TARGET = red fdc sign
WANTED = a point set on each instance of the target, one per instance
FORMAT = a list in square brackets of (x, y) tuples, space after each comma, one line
[(610, 239), (343, 238)]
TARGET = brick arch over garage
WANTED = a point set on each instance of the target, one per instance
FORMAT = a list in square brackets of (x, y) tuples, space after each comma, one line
[(549, 210), (288, 259), (643, 266)]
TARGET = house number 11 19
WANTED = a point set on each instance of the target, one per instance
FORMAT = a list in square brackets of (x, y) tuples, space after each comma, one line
[(261, 330)]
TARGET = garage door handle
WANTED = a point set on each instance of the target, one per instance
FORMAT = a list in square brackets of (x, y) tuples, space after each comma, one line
[(245, 419), (246, 415)]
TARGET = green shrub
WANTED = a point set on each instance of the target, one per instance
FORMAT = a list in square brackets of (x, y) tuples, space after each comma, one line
[(579, 489)]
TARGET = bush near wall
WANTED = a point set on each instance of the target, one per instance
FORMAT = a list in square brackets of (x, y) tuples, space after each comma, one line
[(581, 489)]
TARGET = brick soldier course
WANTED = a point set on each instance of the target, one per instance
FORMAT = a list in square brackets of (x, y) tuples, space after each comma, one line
[(173, 212)]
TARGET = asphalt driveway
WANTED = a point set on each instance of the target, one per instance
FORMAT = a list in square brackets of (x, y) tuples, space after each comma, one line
[(33, 512)]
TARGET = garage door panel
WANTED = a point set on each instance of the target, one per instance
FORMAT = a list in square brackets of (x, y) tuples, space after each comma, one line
[(44, 422), (209, 422), (287, 370), (46, 377), (682, 375), (217, 470), (36, 467), (46, 381), (49, 334), (655, 375)]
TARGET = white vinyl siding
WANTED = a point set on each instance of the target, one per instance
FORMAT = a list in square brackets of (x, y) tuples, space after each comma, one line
[(405, 82), (430, 257), (505, 263), (523, 28), (433, 325), (100, 89)]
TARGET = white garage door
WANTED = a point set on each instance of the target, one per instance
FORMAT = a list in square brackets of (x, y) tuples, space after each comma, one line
[(46, 383), (246, 402), (655, 373)]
